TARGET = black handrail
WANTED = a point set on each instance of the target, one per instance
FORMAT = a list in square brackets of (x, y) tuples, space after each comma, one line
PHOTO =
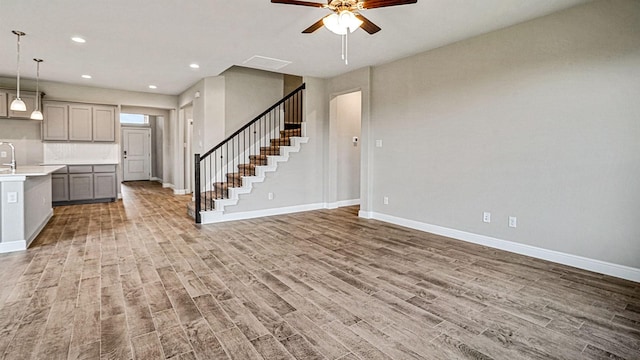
[(245, 149), (301, 87)]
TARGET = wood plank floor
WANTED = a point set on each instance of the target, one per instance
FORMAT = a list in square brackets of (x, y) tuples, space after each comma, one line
[(136, 279)]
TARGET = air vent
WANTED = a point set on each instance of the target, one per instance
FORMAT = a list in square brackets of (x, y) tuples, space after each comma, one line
[(268, 63)]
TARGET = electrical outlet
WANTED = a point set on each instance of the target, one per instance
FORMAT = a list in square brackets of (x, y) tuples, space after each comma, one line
[(378, 143), (12, 197), (3, 154), (486, 217), (513, 221), (385, 200)]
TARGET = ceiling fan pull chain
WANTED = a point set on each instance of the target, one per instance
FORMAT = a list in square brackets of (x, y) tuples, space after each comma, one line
[(346, 48)]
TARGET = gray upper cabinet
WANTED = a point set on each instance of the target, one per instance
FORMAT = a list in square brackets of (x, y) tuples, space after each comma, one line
[(104, 123), (79, 122), (3, 104), (29, 100), (56, 125)]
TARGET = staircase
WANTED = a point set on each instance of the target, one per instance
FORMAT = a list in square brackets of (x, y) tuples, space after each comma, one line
[(231, 167)]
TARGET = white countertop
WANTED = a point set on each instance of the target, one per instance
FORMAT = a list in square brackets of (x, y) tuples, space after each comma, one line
[(29, 170), (83, 162)]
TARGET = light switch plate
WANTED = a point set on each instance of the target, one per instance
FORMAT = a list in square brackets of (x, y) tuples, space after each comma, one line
[(378, 143), (12, 197), (3, 154)]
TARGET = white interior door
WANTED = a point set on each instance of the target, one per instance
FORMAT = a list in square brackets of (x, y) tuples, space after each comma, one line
[(136, 154)]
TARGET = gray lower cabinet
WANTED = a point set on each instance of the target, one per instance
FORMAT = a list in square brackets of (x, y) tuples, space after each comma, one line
[(80, 186), (84, 183), (104, 185), (59, 187)]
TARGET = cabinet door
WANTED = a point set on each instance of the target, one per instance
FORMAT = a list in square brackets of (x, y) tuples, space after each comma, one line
[(59, 187), (104, 185), (80, 186), (104, 123), (29, 100), (56, 126), (80, 123), (3, 105)]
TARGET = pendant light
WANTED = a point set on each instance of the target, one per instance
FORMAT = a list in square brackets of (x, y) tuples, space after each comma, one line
[(37, 114), (18, 104)]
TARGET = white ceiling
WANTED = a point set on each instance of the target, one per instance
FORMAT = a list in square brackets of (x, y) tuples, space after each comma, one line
[(134, 43)]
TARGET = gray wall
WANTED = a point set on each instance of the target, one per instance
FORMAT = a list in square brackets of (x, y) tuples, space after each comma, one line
[(248, 93), (539, 121), (300, 180)]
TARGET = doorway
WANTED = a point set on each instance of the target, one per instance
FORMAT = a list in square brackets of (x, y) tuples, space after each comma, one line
[(188, 149), (345, 123), (136, 154)]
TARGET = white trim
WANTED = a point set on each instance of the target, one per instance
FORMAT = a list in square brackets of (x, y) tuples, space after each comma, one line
[(352, 202), (342, 203), (12, 246), (180, 192), (156, 179), (167, 185), (603, 267), (365, 214), (217, 216), (262, 213)]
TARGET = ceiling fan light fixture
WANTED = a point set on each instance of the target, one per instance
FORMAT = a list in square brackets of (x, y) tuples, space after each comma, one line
[(341, 23), (332, 24), (348, 20)]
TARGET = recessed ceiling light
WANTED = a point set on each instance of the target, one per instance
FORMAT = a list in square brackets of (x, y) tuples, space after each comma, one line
[(152, 87), (86, 76), (194, 66), (78, 39)]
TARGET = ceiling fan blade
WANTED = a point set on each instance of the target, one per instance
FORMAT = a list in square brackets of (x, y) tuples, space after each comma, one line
[(367, 25), (317, 25), (373, 4), (296, 2)]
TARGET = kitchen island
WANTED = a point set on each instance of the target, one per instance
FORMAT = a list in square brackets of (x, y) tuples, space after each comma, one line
[(25, 205)]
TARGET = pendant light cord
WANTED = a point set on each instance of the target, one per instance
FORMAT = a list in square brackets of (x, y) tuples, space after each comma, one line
[(18, 69), (37, 84)]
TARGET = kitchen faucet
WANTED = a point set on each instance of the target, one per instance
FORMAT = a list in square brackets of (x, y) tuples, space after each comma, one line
[(12, 164)]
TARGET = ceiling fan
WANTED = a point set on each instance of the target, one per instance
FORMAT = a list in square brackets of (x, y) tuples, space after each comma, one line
[(346, 15)]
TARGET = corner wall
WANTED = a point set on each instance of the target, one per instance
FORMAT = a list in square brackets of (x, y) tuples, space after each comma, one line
[(539, 121)]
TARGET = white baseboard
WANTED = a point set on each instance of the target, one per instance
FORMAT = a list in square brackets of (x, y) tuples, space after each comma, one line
[(167, 185), (351, 202), (180, 191), (268, 212), (342, 203), (244, 215), (11, 246), (602, 267), (365, 214), (156, 179)]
